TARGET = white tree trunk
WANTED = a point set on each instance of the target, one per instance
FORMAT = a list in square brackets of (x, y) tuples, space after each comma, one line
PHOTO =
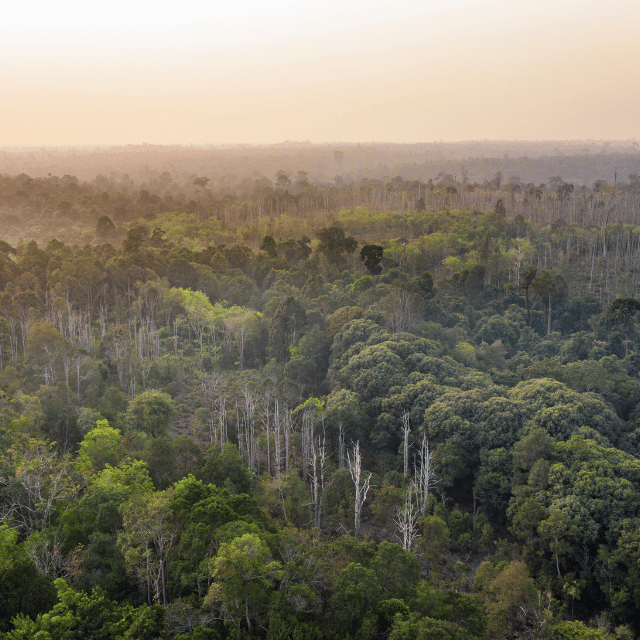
[(361, 486)]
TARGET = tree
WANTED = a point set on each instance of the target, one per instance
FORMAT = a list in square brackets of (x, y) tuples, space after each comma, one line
[(101, 446), (371, 256), (401, 310), (226, 469), (622, 312), (269, 246), (282, 179), (90, 616), (148, 534), (347, 413), (546, 285), (46, 348), (200, 313), (22, 589), (555, 529), (356, 593), (105, 229), (334, 244), (42, 486), (397, 570), (285, 328), (425, 474), (201, 182), (151, 412), (511, 598), (310, 360), (527, 278), (362, 485), (243, 575)]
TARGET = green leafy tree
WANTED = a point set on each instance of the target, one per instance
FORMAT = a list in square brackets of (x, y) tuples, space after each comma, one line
[(244, 575), (356, 593), (148, 534), (151, 412), (101, 446), (269, 246), (558, 529), (511, 598), (371, 256), (225, 468), (92, 616), (285, 328), (334, 244)]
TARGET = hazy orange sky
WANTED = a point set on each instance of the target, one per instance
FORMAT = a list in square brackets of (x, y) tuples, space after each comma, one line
[(79, 73)]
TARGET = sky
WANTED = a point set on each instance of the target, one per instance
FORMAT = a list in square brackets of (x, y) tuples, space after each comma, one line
[(265, 71)]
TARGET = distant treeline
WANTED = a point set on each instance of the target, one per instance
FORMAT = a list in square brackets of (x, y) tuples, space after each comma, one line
[(578, 162), (67, 208)]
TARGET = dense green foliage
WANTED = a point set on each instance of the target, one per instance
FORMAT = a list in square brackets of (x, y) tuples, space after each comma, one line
[(276, 430)]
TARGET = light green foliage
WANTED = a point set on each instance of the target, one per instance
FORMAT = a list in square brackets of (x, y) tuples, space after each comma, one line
[(576, 630), (510, 598), (243, 575), (100, 447), (98, 509), (80, 615), (200, 313), (147, 536)]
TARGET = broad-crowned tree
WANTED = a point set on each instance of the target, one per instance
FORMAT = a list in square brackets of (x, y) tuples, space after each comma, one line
[(151, 412)]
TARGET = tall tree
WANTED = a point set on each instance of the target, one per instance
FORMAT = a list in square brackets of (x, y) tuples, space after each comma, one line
[(361, 485), (243, 573)]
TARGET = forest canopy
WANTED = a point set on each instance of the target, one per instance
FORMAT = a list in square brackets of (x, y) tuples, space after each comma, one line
[(282, 407)]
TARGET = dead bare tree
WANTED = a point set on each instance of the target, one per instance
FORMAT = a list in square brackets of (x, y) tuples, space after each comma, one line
[(341, 447), (425, 474), (362, 486), (277, 423), (406, 521), (406, 431), (317, 475)]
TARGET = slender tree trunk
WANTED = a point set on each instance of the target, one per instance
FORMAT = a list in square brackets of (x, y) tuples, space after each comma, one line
[(406, 430), (361, 485)]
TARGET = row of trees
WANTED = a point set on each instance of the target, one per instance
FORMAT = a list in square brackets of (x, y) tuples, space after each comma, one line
[(44, 204)]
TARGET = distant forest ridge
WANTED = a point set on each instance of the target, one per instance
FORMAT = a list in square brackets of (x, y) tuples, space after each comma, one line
[(579, 162)]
